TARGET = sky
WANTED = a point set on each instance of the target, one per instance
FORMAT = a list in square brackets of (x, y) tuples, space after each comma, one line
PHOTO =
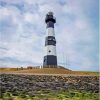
[(23, 32)]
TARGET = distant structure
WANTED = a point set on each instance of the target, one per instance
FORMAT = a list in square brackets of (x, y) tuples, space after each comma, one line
[(50, 58), (33, 67)]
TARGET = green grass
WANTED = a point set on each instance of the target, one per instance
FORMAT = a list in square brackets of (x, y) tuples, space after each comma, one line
[(51, 95)]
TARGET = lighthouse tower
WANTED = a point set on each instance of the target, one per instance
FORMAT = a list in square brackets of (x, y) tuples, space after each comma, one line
[(50, 57)]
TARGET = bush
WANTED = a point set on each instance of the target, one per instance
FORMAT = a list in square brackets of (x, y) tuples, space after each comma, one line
[(22, 95), (71, 94), (36, 98), (29, 97), (7, 96)]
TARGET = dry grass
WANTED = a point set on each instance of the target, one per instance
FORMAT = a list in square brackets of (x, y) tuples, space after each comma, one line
[(45, 71), (8, 69)]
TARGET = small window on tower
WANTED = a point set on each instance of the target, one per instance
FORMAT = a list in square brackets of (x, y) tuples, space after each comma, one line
[(49, 51)]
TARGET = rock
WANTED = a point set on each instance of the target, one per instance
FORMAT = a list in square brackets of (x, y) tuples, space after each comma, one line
[(34, 83)]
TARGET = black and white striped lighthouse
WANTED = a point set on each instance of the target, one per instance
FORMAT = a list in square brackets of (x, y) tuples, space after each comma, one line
[(50, 57)]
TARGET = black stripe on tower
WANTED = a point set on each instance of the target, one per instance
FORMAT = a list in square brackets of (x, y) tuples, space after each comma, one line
[(50, 40), (50, 60), (50, 24)]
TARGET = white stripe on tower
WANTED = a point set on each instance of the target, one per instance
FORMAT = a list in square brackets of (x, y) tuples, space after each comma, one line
[(50, 50), (50, 31)]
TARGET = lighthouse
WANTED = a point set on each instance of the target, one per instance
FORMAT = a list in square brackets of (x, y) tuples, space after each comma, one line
[(50, 57)]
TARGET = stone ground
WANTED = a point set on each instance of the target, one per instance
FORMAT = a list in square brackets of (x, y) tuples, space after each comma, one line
[(30, 84)]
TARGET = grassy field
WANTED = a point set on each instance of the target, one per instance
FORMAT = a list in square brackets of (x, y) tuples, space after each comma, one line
[(49, 95)]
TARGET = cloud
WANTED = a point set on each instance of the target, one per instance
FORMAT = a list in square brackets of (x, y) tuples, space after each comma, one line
[(23, 30)]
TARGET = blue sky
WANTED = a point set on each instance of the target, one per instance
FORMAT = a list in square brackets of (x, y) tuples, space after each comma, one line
[(23, 31)]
